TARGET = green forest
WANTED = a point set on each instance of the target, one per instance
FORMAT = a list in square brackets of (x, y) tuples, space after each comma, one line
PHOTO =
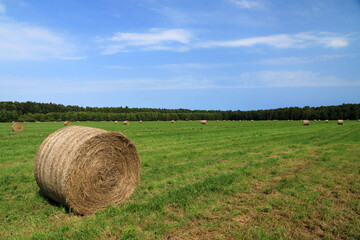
[(44, 112)]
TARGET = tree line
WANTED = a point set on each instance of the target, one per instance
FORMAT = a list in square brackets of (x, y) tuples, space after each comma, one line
[(32, 111)]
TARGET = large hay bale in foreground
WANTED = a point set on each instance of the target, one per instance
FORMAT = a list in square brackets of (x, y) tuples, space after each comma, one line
[(126, 123), (204, 122), (340, 122), (306, 122), (17, 127), (87, 169), (67, 123)]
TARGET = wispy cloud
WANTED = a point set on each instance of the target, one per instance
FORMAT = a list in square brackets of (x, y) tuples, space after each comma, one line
[(182, 40), (154, 39), (247, 4), (300, 40), (20, 41)]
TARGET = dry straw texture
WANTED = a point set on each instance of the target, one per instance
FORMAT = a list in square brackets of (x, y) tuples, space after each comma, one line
[(306, 122), (204, 122), (126, 123), (66, 123), (17, 127), (340, 122), (87, 169)]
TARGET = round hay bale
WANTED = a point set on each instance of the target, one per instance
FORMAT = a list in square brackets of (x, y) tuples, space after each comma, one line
[(314, 120), (17, 127), (126, 123), (326, 121), (340, 122), (204, 122), (67, 123), (78, 121), (13, 122), (306, 122), (252, 121), (140, 121), (116, 122), (87, 169), (173, 121)]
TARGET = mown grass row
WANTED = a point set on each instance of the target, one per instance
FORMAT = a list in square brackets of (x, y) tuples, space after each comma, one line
[(260, 180)]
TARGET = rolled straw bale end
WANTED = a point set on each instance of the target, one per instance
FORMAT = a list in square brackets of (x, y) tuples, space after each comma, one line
[(126, 123), (17, 127), (204, 122), (87, 169), (67, 123), (306, 122), (340, 122)]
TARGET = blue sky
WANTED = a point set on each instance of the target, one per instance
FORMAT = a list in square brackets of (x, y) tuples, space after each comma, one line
[(196, 54)]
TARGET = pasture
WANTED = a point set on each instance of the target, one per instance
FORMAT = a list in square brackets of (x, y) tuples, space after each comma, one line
[(224, 180)]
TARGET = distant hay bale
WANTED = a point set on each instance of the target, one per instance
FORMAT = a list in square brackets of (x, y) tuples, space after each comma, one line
[(358, 120), (340, 122), (173, 121), (78, 121), (204, 122), (67, 123), (116, 122), (87, 169), (252, 121), (306, 122), (326, 121), (17, 127), (314, 120), (126, 122), (140, 121), (190, 120)]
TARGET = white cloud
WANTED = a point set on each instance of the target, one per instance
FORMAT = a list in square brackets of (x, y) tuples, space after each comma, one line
[(181, 40), (154, 36), (155, 39), (20, 41), (247, 4), (301, 40)]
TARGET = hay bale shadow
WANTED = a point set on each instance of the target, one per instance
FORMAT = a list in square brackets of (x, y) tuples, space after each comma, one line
[(52, 202)]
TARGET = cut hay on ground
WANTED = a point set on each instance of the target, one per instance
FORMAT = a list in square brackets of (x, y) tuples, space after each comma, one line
[(340, 122), (17, 127), (126, 123), (87, 169), (67, 123), (204, 122), (306, 122)]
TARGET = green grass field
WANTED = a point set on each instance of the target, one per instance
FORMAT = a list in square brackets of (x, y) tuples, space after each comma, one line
[(224, 180)]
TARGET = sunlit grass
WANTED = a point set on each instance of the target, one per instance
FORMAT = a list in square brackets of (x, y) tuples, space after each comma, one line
[(257, 180)]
